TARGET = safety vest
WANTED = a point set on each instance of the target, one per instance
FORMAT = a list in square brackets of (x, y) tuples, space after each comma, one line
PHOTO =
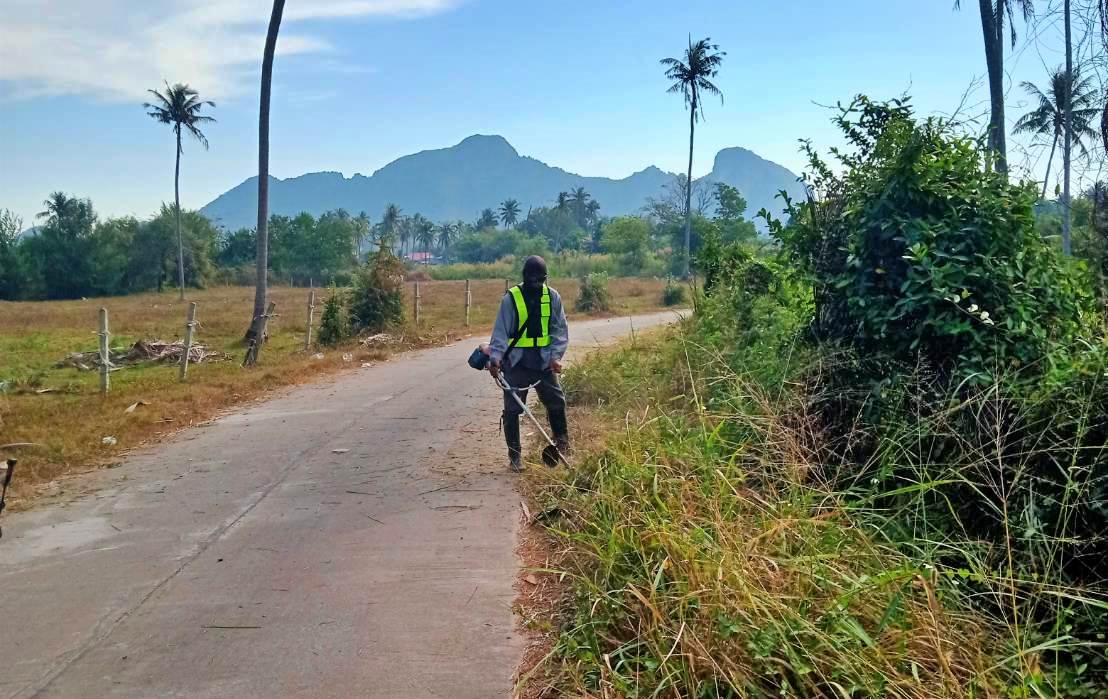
[(521, 313)]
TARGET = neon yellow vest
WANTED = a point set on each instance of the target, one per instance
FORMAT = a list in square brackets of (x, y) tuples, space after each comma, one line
[(521, 313)]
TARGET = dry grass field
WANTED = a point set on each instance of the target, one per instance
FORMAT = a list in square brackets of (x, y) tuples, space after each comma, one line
[(61, 411)]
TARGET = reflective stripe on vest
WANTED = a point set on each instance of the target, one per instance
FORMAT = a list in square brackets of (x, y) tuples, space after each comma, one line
[(521, 312)]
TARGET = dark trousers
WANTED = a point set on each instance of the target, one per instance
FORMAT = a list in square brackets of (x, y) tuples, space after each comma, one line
[(549, 390)]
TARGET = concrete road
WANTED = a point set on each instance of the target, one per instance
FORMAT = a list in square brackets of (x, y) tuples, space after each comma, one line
[(352, 538)]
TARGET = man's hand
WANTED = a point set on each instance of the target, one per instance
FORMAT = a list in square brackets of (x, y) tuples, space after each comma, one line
[(556, 366), (494, 368)]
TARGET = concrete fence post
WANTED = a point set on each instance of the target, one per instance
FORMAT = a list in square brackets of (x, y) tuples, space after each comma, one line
[(311, 317), (469, 301), (105, 353), (418, 304)]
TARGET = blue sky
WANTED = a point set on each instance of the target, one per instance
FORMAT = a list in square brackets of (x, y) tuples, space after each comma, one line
[(360, 82)]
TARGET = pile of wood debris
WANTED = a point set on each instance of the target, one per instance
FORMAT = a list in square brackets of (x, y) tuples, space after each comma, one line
[(145, 351), (380, 339)]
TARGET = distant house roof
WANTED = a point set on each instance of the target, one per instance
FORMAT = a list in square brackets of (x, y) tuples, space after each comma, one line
[(421, 256)]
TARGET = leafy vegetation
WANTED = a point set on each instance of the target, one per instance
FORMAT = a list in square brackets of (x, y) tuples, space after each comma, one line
[(334, 323), (872, 464), (594, 296), (673, 294), (377, 300)]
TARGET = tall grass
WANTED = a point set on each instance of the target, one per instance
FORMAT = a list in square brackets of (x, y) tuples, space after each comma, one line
[(721, 549)]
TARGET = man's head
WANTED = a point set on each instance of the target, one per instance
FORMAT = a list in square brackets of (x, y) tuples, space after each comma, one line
[(534, 272)]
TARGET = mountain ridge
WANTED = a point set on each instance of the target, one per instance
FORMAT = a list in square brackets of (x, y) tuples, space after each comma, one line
[(480, 171)]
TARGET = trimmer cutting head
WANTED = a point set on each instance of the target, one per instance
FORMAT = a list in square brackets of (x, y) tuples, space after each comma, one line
[(551, 456)]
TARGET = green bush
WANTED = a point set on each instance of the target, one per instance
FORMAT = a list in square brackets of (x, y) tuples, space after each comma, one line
[(377, 299), (952, 380), (919, 251), (334, 324), (673, 294), (593, 296)]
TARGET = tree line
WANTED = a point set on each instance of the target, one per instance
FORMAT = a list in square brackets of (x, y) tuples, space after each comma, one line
[(74, 253)]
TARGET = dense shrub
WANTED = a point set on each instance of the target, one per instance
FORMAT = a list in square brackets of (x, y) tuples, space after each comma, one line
[(918, 251), (939, 366), (334, 324), (673, 294), (377, 299), (594, 296)]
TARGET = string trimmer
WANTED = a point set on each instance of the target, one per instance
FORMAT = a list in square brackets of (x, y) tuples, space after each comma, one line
[(550, 453), (480, 360)]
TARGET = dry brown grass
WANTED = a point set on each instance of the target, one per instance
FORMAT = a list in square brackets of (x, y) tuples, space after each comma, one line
[(71, 420)]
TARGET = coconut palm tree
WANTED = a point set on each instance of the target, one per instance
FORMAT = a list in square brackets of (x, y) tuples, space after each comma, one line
[(59, 206), (361, 233), (509, 212), (562, 202), (578, 202), (993, 15), (448, 233), (404, 232), (592, 212), (256, 334), (424, 233), (487, 219), (389, 228), (180, 107), (691, 77), (1067, 130), (1047, 118)]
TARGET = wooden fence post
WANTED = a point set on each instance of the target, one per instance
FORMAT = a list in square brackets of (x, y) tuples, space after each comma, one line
[(255, 344), (190, 326), (311, 316), (105, 354), (418, 304), (469, 301)]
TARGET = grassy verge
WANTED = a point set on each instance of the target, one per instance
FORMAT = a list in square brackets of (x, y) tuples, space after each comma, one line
[(71, 418), (704, 556)]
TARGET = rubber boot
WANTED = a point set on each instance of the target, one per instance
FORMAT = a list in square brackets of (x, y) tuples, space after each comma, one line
[(559, 425), (510, 422)]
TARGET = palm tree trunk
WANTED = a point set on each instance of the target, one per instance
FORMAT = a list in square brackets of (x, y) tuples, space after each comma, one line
[(1067, 143), (177, 214), (257, 326), (688, 193), (1049, 161), (992, 27)]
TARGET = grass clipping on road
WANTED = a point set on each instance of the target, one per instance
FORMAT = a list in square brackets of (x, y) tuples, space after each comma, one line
[(703, 561), (60, 407)]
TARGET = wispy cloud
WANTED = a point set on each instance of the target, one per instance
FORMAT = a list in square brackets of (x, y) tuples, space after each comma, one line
[(114, 50)]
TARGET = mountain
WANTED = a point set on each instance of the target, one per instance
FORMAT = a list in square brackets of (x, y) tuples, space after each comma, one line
[(482, 171)]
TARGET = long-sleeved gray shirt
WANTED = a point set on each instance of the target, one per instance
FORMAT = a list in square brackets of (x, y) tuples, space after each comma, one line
[(507, 321)]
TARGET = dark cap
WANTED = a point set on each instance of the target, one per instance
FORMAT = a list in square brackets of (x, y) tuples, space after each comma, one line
[(534, 269)]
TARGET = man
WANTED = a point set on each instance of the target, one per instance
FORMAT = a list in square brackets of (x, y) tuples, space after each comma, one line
[(533, 323)]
